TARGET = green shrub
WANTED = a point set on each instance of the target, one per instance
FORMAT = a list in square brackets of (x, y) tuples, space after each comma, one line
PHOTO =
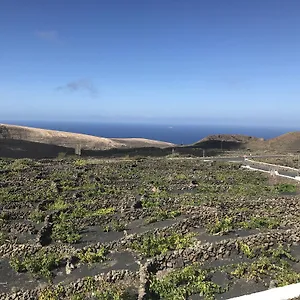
[(152, 245), (181, 284), (285, 188), (281, 252), (38, 264), (59, 204), (80, 162), (261, 222), (37, 216), (163, 215), (65, 230), (221, 226), (90, 256), (246, 250), (102, 212), (273, 263), (20, 164), (149, 203), (118, 226)]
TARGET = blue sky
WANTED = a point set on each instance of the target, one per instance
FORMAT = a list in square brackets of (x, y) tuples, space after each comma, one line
[(201, 61)]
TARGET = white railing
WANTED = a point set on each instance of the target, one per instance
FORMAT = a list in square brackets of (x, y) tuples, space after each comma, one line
[(271, 165), (281, 293), (272, 172)]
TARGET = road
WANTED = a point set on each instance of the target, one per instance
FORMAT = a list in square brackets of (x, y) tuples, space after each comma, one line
[(277, 170), (255, 165), (236, 158), (242, 158)]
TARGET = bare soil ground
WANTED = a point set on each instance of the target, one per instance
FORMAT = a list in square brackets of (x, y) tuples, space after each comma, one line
[(166, 229)]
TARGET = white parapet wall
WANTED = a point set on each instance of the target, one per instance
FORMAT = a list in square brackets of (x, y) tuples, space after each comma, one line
[(271, 165), (289, 177), (272, 172), (281, 293)]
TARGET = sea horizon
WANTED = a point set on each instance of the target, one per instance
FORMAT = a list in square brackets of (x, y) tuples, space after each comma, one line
[(177, 134)]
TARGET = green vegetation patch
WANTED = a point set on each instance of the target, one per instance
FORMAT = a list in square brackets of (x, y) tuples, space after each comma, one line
[(163, 215), (91, 290), (39, 264), (272, 263), (93, 256), (21, 164), (102, 212), (221, 226), (65, 230), (116, 225), (286, 188), (37, 216), (247, 250), (59, 204), (150, 203), (226, 224), (181, 284), (80, 162), (261, 222), (151, 245)]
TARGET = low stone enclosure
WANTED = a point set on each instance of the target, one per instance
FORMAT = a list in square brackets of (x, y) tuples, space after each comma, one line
[(144, 229)]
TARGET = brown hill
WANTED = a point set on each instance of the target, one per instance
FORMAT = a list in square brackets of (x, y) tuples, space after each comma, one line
[(71, 140), (228, 141), (286, 143), (289, 142), (239, 138)]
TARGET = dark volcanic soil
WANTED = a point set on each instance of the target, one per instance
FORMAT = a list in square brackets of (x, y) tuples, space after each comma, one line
[(100, 227)]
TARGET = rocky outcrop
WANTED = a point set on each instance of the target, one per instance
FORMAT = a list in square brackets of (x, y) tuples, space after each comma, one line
[(44, 234)]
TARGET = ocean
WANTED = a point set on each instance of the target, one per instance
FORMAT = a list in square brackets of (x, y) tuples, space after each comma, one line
[(178, 134)]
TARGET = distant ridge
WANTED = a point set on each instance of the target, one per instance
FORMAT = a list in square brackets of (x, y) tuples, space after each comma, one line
[(289, 142), (71, 140), (286, 142), (239, 138), (18, 139)]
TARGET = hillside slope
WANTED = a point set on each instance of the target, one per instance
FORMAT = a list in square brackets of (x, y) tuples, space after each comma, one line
[(24, 149), (228, 142), (286, 143), (141, 142), (68, 139)]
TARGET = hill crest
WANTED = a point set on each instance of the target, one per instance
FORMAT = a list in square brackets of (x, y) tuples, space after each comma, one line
[(69, 139)]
